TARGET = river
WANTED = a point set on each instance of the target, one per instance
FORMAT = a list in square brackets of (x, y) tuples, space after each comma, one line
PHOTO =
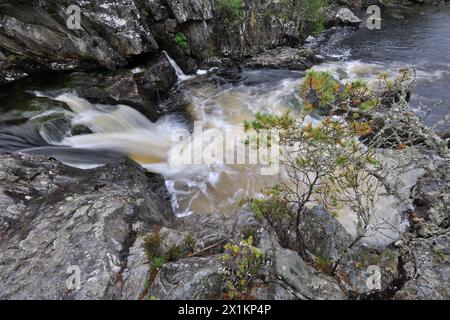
[(417, 37)]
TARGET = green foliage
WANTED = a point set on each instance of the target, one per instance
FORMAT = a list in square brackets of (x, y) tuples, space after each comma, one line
[(266, 121), (158, 262), (324, 265), (321, 86), (230, 12), (152, 245), (158, 256), (314, 16), (181, 40), (242, 264)]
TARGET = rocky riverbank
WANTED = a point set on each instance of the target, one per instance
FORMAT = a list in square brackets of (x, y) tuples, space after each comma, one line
[(34, 36), (54, 217)]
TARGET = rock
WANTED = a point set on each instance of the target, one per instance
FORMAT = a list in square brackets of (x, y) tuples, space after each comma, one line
[(110, 32), (431, 199), (136, 274), (347, 17), (54, 217), (353, 4), (428, 269), (142, 88), (178, 53), (288, 268), (282, 57), (271, 291), (192, 278), (355, 268), (207, 230), (445, 135), (245, 222), (10, 72), (200, 35), (324, 236), (185, 10), (427, 258), (159, 9)]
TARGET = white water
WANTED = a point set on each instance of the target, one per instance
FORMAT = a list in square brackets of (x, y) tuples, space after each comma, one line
[(180, 74)]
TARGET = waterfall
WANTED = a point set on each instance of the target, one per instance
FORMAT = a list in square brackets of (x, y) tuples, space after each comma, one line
[(180, 74)]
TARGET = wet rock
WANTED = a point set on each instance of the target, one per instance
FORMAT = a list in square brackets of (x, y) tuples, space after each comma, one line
[(347, 17), (180, 54), (110, 32), (55, 218), (193, 278), (324, 236), (185, 10), (142, 88), (288, 268), (283, 57), (10, 73)]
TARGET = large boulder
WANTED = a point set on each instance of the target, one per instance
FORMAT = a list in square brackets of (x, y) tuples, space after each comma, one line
[(111, 32), (56, 221), (324, 236), (427, 268), (291, 271), (197, 278)]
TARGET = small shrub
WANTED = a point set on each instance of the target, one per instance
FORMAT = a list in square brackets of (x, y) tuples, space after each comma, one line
[(158, 262), (181, 40), (189, 243), (324, 265), (242, 263), (157, 257), (152, 245)]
